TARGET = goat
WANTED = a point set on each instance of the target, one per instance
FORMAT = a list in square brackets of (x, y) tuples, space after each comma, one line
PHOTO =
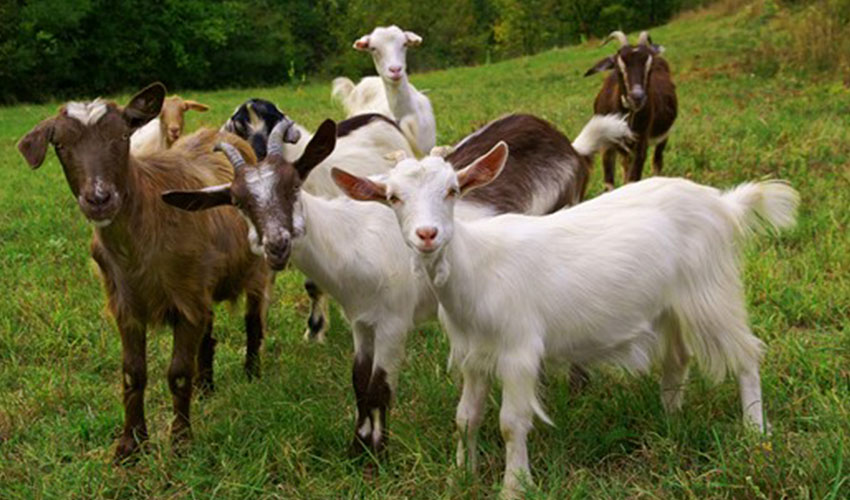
[(159, 265), (390, 93), (371, 139), (161, 132), (641, 88), (647, 271), (352, 250)]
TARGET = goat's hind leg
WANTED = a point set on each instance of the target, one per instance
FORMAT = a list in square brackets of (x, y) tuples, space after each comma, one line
[(674, 364), (361, 373), (609, 159), (658, 157), (318, 322)]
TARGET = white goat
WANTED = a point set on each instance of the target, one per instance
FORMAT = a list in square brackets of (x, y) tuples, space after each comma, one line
[(647, 271), (161, 132), (390, 93), (353, 251)]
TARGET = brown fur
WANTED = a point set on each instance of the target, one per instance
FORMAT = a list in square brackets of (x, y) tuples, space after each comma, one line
[(538, 155), (159, 265), (653, 120)]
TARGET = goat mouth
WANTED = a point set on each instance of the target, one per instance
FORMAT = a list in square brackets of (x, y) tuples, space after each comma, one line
[(277, 262), (100, 216)]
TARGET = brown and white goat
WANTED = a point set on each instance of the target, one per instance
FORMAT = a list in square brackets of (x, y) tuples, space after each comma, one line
[(641, 88), (162, 132), (351, 251), (159, 265)]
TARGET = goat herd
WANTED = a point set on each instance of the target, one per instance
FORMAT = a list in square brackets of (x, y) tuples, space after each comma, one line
[(475, 234)]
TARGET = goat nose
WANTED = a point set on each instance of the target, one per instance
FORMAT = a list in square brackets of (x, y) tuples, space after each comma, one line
[(98, 197), (395, 69), (637, 94), (427, 234)]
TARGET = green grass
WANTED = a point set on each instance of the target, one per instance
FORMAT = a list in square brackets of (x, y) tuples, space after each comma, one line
[(285, 436)]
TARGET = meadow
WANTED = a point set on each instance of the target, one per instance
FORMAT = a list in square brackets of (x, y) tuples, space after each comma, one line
[(285, 435)]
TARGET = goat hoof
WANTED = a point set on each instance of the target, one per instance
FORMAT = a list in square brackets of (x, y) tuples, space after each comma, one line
[(252, 369), (360, 446), (204, 387), (127, 450)]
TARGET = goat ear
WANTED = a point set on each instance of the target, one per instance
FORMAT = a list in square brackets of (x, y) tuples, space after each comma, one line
[(362, 43), (603, 65), (33, 146), (483, 170), (145, 105), (413, 40), (658, 49), (359, 188), (195, 106), (321, 145), (200, 199)]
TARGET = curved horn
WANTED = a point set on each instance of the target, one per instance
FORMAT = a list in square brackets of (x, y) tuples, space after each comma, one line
[(231, 153), (619, 36), (644, 38), (282, 132)]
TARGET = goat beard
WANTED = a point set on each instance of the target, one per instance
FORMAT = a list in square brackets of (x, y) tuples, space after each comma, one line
[(436, 268)]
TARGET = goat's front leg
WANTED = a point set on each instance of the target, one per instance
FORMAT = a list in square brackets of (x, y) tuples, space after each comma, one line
[(470, 413), (658, 157), (515, 421), (389, 353), (318, 322), (135, 378), (609, 159), (638, 159), (206, 353), (181, 372), (361, 373), (255, 311)]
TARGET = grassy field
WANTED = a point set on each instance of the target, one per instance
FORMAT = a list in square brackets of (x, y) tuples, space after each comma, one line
[(285, 436)]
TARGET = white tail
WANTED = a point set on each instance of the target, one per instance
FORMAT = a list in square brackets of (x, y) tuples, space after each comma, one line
[(757, 205), (602, 131)]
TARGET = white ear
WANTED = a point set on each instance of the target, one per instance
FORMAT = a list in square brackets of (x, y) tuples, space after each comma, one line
[(413, 40), (362, 43)]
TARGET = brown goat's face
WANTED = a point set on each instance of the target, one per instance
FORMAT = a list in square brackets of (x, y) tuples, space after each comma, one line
[(633, 64), (268, 195), (91, 140), (171, 117)]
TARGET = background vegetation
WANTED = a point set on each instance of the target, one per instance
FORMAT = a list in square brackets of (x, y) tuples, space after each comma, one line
[(749, 109), (60, 48)]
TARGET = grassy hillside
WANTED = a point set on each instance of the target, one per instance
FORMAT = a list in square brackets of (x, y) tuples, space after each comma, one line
[(285, 436)]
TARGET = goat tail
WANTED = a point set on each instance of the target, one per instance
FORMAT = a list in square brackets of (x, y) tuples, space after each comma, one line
[(602, 131), (341, 88), (757, 206)]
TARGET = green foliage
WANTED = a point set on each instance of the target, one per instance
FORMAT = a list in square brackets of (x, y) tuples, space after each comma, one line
[(76, 48)]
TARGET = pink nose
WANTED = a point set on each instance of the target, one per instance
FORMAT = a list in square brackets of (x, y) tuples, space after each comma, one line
[(395, 70), (427, 234), (174, 131)]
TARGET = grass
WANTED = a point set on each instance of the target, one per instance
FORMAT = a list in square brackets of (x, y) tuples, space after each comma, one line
[(285, 436)]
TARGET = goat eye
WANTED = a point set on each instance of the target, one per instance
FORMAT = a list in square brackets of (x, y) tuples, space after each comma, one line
[(452, 192), (394, 199)]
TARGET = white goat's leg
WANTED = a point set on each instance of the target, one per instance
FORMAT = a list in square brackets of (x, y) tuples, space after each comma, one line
[(319, 320), (390, 341), (515, 421), (749, 383), (674, 366), (470, 412), (361, 374)]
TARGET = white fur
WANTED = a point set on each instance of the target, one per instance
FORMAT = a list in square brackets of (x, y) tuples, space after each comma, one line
[(148, 139), (390, 93), (87, 113), (647, 271)]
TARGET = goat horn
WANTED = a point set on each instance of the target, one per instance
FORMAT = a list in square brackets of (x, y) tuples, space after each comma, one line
[(276, 137), (619, 36), (231, 153), (644, 38)]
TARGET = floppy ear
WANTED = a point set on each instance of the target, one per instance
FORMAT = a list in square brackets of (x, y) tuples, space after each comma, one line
[(483, 170), (413, 40), (200, 199), (33, 146), (362, 43), (603, 65), (359, 188), (195, 106), (321, 145), (145, 105)]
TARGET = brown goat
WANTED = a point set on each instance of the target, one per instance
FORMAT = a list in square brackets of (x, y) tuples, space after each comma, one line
[(641, 88), (159, 264)]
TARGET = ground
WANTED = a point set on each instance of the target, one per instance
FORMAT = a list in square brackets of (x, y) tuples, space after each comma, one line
[(286, 435)]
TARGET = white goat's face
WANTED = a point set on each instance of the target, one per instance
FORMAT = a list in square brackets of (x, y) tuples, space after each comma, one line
[(388, 47), (423, 194)]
